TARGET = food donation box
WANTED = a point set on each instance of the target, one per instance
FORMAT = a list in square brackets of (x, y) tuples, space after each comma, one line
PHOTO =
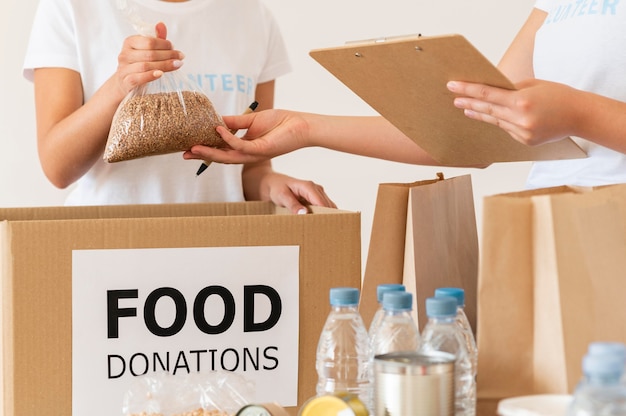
[(94, 297)]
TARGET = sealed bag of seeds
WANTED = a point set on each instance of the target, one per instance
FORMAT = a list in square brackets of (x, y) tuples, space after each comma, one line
[(164, 116), (170, 114)]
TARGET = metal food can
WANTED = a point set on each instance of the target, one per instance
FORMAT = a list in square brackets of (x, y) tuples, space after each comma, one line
[(411, 383), (265, 409), (338, 404)]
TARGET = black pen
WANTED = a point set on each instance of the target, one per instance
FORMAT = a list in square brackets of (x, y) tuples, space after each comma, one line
[(205, 165)]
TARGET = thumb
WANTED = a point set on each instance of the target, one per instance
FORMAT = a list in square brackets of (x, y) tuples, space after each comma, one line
[(161, 30)]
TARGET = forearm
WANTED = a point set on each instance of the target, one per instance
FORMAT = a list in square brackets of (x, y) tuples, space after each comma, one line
[(253, 180), (599, 119), (366, 136), (72, 136)]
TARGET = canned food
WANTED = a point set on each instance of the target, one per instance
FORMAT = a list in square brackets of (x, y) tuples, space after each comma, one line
[(411, 383), (338, 404), (265, 409)]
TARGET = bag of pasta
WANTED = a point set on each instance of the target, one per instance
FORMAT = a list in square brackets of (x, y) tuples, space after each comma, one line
[(170, 114)]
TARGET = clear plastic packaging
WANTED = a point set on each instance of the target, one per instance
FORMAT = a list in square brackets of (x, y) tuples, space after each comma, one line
[(198, 394), (462, 321), (600, 391), (396, 332), (170, 114), (378, 315), (442, 333), (343, 348)]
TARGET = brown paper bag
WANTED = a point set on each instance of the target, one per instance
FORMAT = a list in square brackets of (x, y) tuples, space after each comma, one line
[(424, 236), (551, 280)]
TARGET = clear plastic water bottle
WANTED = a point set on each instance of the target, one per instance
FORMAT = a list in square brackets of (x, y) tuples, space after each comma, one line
[(600, 392), (343, 348), (380, 291), (442, 333), (613, 348), (397, 330), (462, 321)]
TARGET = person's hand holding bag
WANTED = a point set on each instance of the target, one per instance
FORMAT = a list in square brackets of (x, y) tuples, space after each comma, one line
[(167, 114), (145, 58)]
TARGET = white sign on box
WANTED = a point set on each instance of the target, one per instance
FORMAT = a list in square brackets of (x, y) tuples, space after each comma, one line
[(181, 310)]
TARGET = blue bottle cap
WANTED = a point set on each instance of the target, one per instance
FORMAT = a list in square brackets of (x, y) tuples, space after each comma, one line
[(455, 292), (441, 307), (605, 347), (388, 287), (398, 301), (344, 296), (603, 365)]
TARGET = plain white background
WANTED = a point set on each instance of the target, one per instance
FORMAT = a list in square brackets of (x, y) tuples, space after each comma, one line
[(350, 180)]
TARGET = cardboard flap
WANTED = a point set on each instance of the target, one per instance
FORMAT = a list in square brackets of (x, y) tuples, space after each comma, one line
[(404, 79), (137, 211)]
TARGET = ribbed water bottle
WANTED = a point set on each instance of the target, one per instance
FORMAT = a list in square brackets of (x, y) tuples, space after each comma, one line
[(442, 333), (462, 321), (343, 348), (397, 331), (600, 392), (380, 292)]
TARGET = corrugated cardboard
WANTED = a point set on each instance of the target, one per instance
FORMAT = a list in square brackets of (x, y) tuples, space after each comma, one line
[(36, 250), (404, 79)]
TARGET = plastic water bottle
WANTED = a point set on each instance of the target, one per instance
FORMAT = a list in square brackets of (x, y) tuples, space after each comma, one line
[(600, 392), (343, 349), (380, 291), (613, 348), (397, 330), (462, 321), (442, 333)]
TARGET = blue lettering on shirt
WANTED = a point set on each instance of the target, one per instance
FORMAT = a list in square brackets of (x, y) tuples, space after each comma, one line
[(579, 8), (211, 83)]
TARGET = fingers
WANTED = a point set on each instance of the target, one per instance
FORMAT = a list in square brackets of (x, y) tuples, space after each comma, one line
[(239, 150), (161, 30), (144, 59), (482, 102), (300, 193), (146, 49), (316, 195), (233, 141), (239, 122), (479, 91), (225, 155)]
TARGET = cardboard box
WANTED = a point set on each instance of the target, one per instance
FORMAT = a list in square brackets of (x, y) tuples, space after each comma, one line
[(77, 281)]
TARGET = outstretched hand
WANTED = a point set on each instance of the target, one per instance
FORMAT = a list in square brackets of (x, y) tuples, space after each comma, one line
[(270, 133)]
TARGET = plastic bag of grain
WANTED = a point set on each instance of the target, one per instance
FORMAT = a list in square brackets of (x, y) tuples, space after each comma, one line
[(162, 117), (170, 114)]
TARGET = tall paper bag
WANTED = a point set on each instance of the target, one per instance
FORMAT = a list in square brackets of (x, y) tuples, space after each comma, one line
[(551, 281), (424, 236)]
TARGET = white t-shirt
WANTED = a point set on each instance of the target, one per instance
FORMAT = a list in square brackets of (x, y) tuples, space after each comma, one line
[(583, 44), (230, 46)]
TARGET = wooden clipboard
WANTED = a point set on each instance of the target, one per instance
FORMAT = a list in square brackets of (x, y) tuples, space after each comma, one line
[(404, 80)]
